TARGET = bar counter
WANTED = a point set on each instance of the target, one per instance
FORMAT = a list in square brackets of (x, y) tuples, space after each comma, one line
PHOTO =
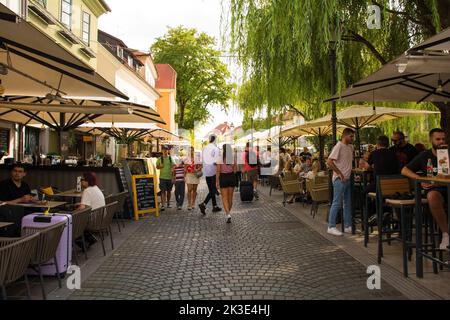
[(65, 177)]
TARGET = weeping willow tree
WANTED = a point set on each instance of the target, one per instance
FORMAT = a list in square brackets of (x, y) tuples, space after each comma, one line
[(284, 45)]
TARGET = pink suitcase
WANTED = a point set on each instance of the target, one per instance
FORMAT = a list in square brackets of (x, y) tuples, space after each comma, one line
[(64, 251)]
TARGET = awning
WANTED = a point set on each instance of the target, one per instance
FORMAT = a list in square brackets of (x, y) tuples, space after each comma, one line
[(37, 65), (67, 114), (310, 130), (420, 75), (135, 130)]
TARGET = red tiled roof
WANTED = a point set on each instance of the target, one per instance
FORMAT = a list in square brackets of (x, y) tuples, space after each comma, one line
[(167, 77)]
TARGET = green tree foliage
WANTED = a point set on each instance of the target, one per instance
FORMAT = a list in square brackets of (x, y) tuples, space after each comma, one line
[(284, 45), (202, 77)]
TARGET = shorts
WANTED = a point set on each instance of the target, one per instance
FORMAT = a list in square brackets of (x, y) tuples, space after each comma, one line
[(165, 185), (441, 190), (227, 180), (251, 175), (191, 178)]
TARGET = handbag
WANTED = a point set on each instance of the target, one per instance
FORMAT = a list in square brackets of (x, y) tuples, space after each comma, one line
[(198, 174)]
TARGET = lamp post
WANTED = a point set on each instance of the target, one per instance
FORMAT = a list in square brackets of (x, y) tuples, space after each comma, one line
[(332, 58)]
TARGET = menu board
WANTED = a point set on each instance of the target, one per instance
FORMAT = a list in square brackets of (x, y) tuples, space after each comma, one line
[(443, 161), (145, 198), (4, 140)]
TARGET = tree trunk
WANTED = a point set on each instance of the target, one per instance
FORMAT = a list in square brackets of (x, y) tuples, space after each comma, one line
[(182, 112), (445, 118)]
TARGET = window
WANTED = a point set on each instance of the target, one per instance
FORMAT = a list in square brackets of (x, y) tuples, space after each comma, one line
[(66, 13), (120, 52), (130, 61), (43, 3), (86, 28)]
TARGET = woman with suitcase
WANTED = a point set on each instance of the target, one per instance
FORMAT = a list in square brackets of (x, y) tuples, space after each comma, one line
[(226, 179)]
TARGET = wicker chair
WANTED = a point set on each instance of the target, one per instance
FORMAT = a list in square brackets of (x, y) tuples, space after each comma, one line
[(118, 215), (15, 256), (80, 220), (100, 222), (319, 191), (290, 186), (47, 244)]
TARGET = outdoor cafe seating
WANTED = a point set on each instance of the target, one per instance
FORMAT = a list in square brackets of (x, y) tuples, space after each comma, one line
[(37, 246)]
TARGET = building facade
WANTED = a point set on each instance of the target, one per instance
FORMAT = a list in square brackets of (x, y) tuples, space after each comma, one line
[(167, 105)]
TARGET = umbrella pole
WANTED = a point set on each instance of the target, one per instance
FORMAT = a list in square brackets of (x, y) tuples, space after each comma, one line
[(321, 151)]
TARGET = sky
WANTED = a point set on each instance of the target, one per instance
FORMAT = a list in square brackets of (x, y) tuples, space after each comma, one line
[(139, 22)]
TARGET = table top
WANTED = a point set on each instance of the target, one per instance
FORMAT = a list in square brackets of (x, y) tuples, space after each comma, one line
[(49, 204), (434, 179), (5, 224), (361, 171), (70, 194)]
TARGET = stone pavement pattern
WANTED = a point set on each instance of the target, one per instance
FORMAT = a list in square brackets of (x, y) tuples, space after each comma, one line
[(266, 253)]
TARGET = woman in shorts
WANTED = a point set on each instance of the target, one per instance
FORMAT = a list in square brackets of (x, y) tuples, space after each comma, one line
[(226, 179)]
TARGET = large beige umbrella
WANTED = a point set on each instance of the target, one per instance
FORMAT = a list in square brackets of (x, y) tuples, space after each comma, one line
[(421, 74), (360, 116), (33, 64), (67, 114)]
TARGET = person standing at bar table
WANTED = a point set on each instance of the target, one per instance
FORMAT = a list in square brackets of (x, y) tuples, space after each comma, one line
[(226, 179), (436, 195), (251, 167), (340, 161), (404, 151), (210, 156), (165, 165)]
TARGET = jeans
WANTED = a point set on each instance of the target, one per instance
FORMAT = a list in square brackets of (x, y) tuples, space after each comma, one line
[(342, 192), (180, 189), (212, 190)]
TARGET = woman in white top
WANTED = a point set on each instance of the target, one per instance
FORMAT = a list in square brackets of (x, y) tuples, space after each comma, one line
[(92, 196)]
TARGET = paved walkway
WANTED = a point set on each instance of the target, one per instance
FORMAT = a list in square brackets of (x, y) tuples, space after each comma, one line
[(266, 253)]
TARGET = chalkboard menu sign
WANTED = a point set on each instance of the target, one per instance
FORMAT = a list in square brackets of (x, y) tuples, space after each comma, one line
[(144, 195), (4, 140)]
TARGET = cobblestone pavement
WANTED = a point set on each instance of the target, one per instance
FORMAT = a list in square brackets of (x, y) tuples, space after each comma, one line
[(266, 253)]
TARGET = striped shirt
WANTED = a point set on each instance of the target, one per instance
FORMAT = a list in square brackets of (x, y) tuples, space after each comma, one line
[(179, 173)]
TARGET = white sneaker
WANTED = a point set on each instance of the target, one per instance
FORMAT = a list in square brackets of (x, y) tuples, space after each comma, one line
[(348, 230), (334, 232)]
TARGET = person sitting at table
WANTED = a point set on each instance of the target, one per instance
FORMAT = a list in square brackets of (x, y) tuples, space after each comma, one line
[(436, 194), (383, 161), (288, 171), (298, 165), (306, 167), (14, 190), (92, 196)]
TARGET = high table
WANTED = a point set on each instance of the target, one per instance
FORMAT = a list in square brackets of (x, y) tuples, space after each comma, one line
[(419, 223), (48, 205), (363, 183), (5, 224)]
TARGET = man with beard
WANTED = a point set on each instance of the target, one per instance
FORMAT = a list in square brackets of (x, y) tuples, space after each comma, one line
[(436, 194), (404, 151)]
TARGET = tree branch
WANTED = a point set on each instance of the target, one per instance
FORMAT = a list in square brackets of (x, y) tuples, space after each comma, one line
[(400, 13), (359, 38)]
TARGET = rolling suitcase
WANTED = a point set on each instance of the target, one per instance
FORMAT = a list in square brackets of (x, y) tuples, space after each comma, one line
[(64, 251), (246, 189)]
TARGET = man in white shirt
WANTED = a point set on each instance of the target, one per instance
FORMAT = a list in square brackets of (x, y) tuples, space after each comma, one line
[(340, 161), (211, 155)]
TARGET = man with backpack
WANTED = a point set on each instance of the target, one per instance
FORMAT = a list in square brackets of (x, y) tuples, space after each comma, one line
[(165, 164), (251, 167)]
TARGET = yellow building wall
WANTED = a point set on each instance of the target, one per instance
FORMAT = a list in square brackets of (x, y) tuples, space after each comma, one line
[(78, 6), (163, 108)]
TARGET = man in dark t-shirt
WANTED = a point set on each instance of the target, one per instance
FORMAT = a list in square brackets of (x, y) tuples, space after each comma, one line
[(436, 195), (383, 161), (404, 151), (15, 190)]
